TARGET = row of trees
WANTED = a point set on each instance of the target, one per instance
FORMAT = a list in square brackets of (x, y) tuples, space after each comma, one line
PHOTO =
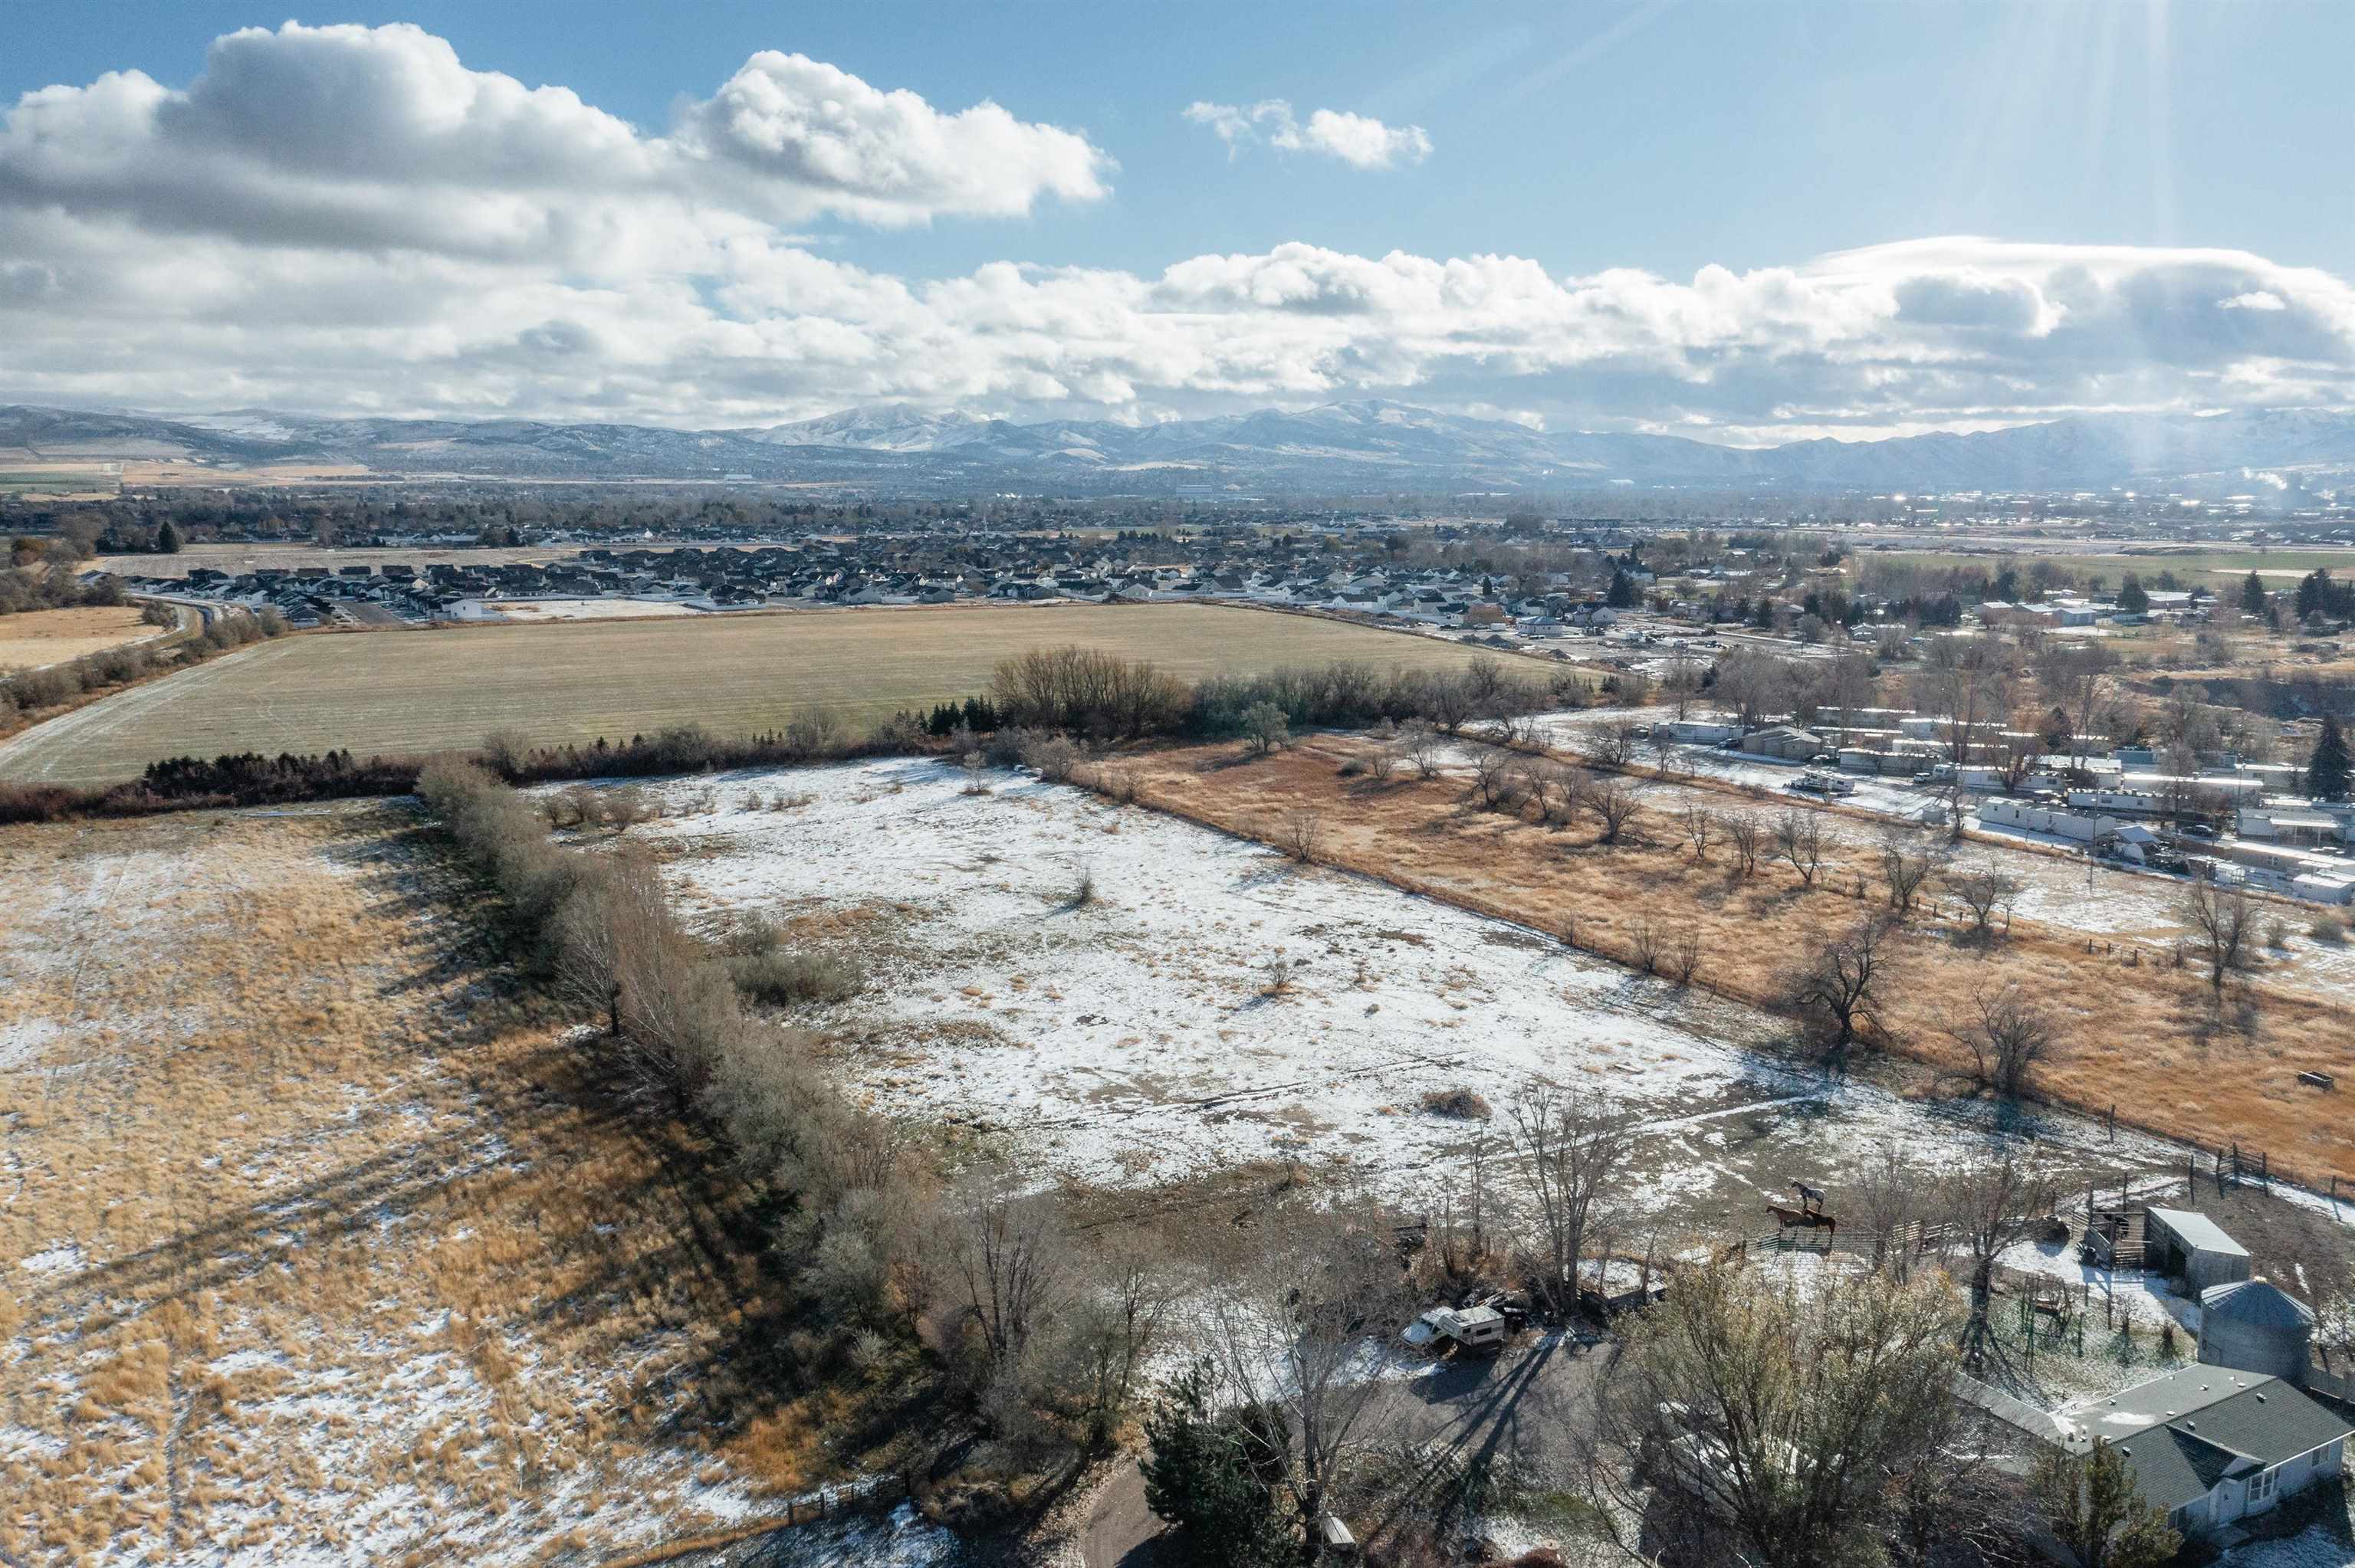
[(1040, 1332), (1101, 696)]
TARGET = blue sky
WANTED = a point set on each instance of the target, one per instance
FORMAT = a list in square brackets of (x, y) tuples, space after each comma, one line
[(1588, 138)]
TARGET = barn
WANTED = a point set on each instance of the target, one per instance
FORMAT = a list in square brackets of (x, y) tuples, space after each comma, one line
[(2181, 1242)]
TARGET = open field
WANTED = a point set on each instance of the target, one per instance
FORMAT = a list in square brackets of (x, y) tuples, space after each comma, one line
[(40, 637), (2215, 569), (415, 691), (2132, 1028), (1142, 1040), (319, 1244), (62, 480)]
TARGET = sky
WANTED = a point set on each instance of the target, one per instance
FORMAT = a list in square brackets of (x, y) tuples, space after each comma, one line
[(1734, 219)]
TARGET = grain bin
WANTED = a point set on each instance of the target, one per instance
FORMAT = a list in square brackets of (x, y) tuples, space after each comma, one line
[(2252, 1326)]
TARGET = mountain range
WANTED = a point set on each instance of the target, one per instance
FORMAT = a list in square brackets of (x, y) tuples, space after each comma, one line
[(1371, 445)]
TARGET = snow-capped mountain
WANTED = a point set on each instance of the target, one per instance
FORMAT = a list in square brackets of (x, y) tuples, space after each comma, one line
[(1373, 444)]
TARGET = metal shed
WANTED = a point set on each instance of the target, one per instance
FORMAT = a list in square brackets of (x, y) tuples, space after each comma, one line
[(2180, 1240)]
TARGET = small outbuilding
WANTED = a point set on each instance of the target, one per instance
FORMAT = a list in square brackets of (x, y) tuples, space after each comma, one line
[(2185, 1243), (2254, 1326)]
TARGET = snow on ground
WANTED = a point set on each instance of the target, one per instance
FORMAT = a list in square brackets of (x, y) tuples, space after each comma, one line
[(1142, 1037), (2315, 1546)]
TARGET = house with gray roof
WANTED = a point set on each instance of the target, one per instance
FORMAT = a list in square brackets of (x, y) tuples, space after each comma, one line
[(2210, 1444)]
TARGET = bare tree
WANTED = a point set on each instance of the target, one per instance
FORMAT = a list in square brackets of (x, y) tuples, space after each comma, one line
[(1573, 1147), (1904, 866), (1493, 769), (1422, 746), (1381, 761), (1991, 1201), (1799, 836), (1700, 826), (1649, 940), (1842, 982), (1006, 1257), (1554, 788), (1744, 833), (1610, 798), (1786, 1428), (2006, 1035), (1887, 1200), (1680, 956), (1682, 683), (2225, 921), (1108, 1330), (1983, 889), (1615, 743), (1290, 1321), (1302, 835)]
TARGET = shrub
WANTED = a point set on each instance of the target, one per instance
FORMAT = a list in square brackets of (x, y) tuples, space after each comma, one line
[(1458, 1102), (1052, 756), (784, 979), (2328, 928)]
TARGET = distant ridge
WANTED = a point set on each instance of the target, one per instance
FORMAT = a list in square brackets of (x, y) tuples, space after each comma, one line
[(1372, 444)]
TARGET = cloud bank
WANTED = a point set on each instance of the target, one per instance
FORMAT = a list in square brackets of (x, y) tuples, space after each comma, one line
[(1358, 140), (348, 220)]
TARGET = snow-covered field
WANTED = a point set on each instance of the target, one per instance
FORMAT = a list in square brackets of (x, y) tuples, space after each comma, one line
[(1143, 1037)]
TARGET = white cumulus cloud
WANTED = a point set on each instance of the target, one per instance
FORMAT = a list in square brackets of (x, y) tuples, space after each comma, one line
[(350, 220), (1358, 140)]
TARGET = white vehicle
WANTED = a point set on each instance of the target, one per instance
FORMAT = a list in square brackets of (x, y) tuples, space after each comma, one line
[(1472, 1327), (1815, 783)]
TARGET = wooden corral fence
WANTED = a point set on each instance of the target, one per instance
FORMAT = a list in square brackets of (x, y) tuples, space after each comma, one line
[(868, 1496)]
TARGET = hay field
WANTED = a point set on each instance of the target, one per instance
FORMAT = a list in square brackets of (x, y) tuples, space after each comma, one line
[(2144, 1035), (40, 637), (394, 692), (320, 1243), (2218, 567)]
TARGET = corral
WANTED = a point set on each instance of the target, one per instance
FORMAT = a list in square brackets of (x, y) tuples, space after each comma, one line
[(418, 691)]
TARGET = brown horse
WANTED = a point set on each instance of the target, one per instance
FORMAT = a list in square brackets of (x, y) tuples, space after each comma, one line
[(1789, 1218)]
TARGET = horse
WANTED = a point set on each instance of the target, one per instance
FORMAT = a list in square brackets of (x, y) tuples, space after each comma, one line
[(1810, 1198)]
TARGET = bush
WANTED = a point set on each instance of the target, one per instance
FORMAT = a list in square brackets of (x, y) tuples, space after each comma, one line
[(1459, 1103), (1051, 756), (2328, 928), (785, 978)]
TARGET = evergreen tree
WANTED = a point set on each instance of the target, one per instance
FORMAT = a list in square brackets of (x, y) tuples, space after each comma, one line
[(167, 538), (2131, 597), (2314, 592), (1200, 1475), (2252, 594), (2327, 774), (1622, 595)]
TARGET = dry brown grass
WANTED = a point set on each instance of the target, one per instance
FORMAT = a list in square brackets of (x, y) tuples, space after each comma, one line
[(321, 1239), (415, 690), (40, 637), (2145, 1037)]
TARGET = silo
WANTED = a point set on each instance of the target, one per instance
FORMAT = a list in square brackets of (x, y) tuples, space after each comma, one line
[(2254, 1326)]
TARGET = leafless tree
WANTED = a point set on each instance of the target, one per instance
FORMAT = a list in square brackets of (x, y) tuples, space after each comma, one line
[(1290, 1321), (1786, 1428), (1991, 1201), (1744, 833), (1554, 788), (1493, 768), (2008, 1035), (1381, 761), (1700, 826), (1573, 1146), (1984, 889), (1302, 835), (1842, 982), (2225, 921), (1615, 743), (1680, 956), (1649, 940), (1421, 745), (1610, 798), (1108, 1330), (1904, 866), (1681, 684), (1799, 837), (1886, 1199), (1007, 1259)]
